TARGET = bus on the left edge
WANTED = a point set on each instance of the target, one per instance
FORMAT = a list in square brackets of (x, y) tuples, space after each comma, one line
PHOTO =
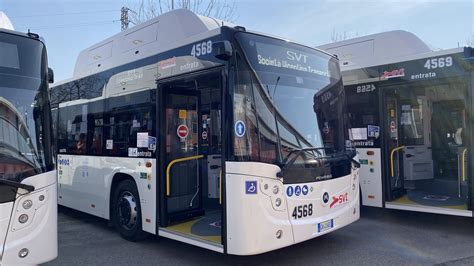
[(28, 191)]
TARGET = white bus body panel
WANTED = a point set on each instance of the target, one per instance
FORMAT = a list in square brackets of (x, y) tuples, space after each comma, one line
[(253, 223), (5, 215), (39, 234), (85, 184), (370, 174)]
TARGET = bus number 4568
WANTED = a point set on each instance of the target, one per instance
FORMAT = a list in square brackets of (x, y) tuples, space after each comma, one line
[(302, 211)]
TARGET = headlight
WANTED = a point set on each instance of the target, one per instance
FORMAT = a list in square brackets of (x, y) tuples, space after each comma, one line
[(278, 202), (278, 234), (23, 218), (275, 189), (27, 204), (23, 253)]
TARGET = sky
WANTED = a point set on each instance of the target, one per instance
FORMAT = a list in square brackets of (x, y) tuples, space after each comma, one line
[(69, 26)]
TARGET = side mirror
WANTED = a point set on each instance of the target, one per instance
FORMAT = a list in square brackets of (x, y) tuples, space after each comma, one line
[(50, 75), (222, 50)]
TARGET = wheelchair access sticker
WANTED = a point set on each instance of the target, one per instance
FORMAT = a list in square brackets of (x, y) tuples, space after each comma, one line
[(250, 187)]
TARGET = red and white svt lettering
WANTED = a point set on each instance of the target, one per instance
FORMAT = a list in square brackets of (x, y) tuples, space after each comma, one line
[(339, 199)]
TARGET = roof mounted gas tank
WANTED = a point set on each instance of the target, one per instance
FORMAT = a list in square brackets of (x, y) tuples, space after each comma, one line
[(375, 49), (156, 35)]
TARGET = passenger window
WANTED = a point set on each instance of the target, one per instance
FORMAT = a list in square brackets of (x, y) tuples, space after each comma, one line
[(72, 129), (123, 121)]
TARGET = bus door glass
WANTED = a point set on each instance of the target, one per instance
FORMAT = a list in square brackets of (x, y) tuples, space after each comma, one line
[(415, 133), (182, 149), (394, 148), (193, 154)]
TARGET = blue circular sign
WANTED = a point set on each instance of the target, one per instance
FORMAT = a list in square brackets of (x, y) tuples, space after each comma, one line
[(325, 197), (305, 190), (239, 128), (289, 191), (297, 190)]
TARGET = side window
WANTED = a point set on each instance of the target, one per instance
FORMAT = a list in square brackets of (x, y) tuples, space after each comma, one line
[(72, 129), (363, 111), (95, 124), (117, 132), (91, 87), (77, 136), (266, 126), (247, 146), (329, 105), (86, 88), (128, 124)]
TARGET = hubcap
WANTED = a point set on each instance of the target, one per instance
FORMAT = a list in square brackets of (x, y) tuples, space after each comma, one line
[(127, 208)]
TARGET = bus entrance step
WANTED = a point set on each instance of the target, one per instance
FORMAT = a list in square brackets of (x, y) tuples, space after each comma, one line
[(174, 218)]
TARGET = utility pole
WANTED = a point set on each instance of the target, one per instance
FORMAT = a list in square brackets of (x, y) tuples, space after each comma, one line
[(124, 18)]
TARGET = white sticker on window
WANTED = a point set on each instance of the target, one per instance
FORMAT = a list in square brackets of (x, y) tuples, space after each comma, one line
[(135, 123), (142, 140), (359, 133), (110, 144), (69, 126), (132, 152)]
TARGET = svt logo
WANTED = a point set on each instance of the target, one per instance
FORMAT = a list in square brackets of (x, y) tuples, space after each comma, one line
[(343, 198), (290, 55)]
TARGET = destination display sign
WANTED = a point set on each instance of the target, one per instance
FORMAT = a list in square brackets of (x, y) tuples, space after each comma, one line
[(283, 57), (273, 55)]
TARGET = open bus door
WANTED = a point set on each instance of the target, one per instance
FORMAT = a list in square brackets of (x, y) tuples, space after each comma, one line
[(393, 149), (191, 156), (424, 148), (408, 120)]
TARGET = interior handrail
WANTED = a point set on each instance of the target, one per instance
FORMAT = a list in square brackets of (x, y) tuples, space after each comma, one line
[(392, 171), (175, 161), (220, 187), (463, 165)]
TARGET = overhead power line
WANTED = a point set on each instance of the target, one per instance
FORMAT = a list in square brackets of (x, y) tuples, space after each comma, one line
[(96, 23), (65, 14)]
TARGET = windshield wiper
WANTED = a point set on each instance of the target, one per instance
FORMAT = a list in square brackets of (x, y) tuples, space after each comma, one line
[(280, 155), (348, 154), (15, 184), (298, 152)]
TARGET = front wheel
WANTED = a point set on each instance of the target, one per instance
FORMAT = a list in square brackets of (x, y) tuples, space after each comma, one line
[(126, 211)]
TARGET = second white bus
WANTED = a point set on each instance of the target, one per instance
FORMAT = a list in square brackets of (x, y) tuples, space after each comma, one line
[(28, 187)]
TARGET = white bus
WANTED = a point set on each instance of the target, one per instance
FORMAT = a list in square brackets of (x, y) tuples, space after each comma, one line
[(28, 187), (195, 130), (411, 107)]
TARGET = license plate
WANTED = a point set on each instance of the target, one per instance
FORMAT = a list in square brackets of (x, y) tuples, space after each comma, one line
[(326, 225)]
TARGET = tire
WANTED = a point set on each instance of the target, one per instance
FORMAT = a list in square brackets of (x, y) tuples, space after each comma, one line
[(126, 211)]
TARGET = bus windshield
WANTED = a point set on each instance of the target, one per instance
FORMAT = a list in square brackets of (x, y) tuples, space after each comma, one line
[(298, 100), (25, 148)]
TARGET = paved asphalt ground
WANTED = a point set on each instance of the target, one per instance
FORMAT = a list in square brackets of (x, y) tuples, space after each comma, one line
[(381, 237)]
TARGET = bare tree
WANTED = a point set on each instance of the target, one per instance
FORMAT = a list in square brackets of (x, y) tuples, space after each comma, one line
[(470, 41), (148, 9)]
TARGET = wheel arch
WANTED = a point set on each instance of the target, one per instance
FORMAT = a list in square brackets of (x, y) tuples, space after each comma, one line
[(116, 180)]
